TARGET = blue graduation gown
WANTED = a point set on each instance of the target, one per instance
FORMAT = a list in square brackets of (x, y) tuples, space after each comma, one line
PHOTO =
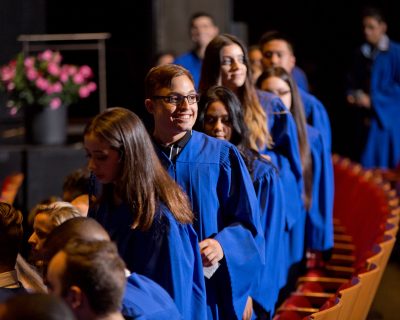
[(215, 178), (319, 223), (300, 78), (191, 62), (286, 156), (167, 253), (146, 300), (383, 143), (268, 187), (317, 116)]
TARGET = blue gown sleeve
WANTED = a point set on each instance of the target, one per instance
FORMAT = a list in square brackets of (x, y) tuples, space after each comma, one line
[(146, 300), (301, 78), (385, 86), (269, 193), (241, 237), (317, 117), (167, 253), (319, 222)]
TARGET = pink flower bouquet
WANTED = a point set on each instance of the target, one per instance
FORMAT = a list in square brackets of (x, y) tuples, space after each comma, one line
[(42, 80)]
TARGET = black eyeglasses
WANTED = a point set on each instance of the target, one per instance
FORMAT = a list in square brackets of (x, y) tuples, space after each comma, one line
[(177, 99)]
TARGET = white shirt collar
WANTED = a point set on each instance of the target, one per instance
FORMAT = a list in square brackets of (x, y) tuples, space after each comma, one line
[(370, 52)]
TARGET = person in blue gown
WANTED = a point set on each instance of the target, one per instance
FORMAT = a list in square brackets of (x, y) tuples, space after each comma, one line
[(277, 50), (145, 212), (374, 88), (221, 117), (219, 186), (317, 163), (202, 30), (272, 130)]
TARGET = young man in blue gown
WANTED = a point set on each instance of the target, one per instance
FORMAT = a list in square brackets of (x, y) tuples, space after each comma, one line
[(278, 51), (374, 89), (215, 178)]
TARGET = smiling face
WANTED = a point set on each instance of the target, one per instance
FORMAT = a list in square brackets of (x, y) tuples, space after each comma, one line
[(217, 122), (280, 88), (233, 68), (173, 120), (103, 160)]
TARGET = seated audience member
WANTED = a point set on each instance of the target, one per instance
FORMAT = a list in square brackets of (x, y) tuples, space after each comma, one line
[(90, 277), (48, 217), (11, 235), (31, 280), (35, 306), (76, 189), (143, 298)]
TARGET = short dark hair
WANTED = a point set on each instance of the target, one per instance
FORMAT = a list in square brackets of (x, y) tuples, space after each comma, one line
[(200, 14), (36, 306), (11, 234), (276, 35), (373, 12), (97, 269)]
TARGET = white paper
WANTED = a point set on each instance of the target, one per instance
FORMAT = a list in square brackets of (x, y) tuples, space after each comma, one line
[(209, 271)]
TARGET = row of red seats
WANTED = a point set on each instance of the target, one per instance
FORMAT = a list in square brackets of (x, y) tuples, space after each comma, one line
[(366, 218)]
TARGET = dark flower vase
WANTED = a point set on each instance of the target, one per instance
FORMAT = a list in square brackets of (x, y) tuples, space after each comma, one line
[(45, 126)]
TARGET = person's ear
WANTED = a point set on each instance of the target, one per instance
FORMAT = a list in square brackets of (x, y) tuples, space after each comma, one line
[(149, 105), (74, 297)]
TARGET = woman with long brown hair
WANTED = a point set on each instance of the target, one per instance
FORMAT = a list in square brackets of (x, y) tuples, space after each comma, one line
[(143, 209), (316, 160)]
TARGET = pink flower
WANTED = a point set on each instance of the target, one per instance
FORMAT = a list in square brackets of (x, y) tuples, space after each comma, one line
[(72, 70), (31, 74), (84, 92), (7, 73), (57, 57), (55, 103), (29, 62), (92, 86), (42, 83), (54, 88), (78, 78), (85, 71), (13, 111), (46, 55), (10, 86), (64, 76), (53, 69)]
